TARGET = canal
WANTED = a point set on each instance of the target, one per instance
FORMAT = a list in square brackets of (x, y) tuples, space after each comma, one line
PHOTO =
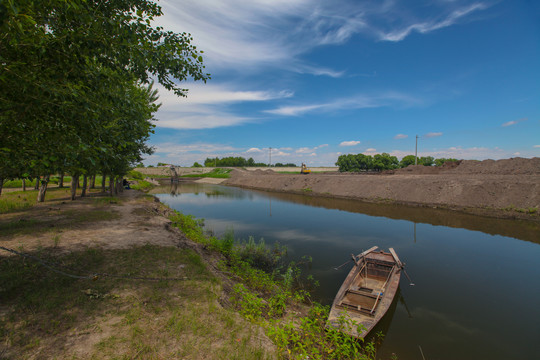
[(477, 280)]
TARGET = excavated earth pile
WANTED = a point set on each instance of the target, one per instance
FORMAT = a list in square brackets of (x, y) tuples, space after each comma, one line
[(466, 185)]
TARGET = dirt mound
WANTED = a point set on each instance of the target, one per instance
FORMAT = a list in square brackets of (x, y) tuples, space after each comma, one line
[(495, 184), (513, 166)]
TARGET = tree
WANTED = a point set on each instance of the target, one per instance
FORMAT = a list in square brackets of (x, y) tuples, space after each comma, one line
[(426, 160), (384, 161), (84, 68), (407, 160), (441, 161)]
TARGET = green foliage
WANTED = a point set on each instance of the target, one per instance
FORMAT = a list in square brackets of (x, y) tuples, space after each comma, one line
[(142, 185), (232, 162), (284, 165), (361, 162), (310, 339), (85, 68), (303, 338), (424, 160), (215, 173), (17, 183), (427, 160), (407, 160), (196, 165), (134, 174), (441, 161)]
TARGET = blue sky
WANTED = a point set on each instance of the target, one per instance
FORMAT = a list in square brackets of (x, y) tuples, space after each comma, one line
[(314, 79)]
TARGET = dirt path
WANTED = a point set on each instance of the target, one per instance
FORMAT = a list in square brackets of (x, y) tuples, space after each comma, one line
[(74, 225)]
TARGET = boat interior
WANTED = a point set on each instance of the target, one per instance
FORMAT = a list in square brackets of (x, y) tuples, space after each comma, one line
[(368, 286)]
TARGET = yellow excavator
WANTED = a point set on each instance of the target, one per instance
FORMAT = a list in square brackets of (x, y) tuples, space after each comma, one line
[(305, 169)]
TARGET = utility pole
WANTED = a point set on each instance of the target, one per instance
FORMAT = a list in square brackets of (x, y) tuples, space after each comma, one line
[(416, 152), (270, 157)]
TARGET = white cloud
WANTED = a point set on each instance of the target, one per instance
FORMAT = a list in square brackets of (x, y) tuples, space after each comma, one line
[(349, 143), (243, 35), (294, 110), (304, 150), (433, 134), (401, 136), (254, 150), (370, 150), (509, 123), (429, 26), (536, 146), (206, 106), (388, 99), (513, 122)]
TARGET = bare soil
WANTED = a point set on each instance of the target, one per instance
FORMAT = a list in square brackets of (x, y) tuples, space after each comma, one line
[(500, 188)]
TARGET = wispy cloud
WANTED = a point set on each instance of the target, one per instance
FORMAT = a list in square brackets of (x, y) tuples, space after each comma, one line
[(349, 143), (536, 146), (388, 99), (424, 27), (433, 134), (295, 110), (207, 106), (513, 122), (401, 136), (243, 35)]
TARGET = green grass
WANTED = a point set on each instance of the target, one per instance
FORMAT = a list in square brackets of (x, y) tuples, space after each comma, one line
[(142, 185), (16, 201), (263, 298), (177, 318), (216, 174)]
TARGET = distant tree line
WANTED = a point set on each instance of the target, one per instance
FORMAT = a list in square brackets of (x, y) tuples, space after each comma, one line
[(384, 161), (237, 162)]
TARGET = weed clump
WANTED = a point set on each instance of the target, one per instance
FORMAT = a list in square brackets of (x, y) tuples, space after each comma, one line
[(269, 287)]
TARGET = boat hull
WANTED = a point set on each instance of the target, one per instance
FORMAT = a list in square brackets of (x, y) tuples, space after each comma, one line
[(367, 293)]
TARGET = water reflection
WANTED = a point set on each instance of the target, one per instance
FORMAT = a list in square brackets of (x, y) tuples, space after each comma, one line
[(520, 229), (469, 284)]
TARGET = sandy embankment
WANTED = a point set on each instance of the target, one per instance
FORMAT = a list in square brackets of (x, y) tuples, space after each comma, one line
[(474, 186)]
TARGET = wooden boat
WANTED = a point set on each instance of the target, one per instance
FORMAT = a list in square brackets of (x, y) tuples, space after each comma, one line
[(367, 292)]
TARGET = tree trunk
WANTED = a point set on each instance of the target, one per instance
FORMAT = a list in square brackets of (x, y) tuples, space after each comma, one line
[(84, 184), (23, 184), (43, 189), (93, 182), (121, 184), (111, 185), (61, 181), (1, 185), (74, 184), (36, 187), (116, 186), (103, 178)]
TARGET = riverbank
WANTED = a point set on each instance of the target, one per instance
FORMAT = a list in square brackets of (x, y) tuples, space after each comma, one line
[(126, 276), (507, 188), (110, 277)]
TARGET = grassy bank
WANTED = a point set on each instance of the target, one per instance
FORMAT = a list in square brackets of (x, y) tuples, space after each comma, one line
[(207, 298), (272, 295)]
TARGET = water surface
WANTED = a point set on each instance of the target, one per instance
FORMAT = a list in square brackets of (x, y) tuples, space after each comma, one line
[(477, 280)]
